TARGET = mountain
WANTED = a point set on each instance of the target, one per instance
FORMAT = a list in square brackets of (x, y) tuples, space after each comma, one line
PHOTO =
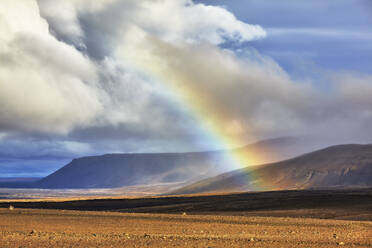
[(119, 170), (343, 166)]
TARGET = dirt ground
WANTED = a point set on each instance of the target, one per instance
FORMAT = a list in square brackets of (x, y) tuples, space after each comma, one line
[(67, 228)]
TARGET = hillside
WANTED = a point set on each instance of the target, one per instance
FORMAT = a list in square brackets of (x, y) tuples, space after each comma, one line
[(337, 166), (119, 170)]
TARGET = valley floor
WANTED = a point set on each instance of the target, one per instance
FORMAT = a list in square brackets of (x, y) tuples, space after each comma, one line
[(61, 228), (300, 218)]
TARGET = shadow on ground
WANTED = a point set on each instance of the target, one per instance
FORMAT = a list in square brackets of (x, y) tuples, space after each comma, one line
[(326, 204)]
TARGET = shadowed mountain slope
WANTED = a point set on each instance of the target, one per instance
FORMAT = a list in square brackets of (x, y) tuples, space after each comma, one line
[(118, 170), (336, 166)]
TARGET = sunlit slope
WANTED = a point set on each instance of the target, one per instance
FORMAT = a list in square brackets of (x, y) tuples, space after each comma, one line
[(337, 166)]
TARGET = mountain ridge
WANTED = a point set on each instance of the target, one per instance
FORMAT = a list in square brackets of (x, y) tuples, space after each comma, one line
[(147, 168), (347, 165), (120, 170)]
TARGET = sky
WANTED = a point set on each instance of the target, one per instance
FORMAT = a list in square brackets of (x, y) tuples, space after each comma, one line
[(86, 77)]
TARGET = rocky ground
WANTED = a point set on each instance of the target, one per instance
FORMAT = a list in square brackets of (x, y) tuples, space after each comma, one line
[(62, 228)]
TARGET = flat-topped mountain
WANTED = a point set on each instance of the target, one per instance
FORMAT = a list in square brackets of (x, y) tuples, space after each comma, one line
[(119, 170), (342, 166)]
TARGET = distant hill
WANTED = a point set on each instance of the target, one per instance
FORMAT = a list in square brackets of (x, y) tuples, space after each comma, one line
[(18, 182), (342, 166), (119, 170), (18, 179)]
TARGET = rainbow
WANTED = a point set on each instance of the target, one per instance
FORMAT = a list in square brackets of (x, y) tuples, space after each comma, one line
[(215, 124)]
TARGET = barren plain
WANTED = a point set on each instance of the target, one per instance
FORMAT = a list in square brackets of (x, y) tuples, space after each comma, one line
[(266, 219)]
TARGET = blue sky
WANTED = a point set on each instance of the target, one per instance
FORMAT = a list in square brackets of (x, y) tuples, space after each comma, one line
[(334, 35), (90, 77)]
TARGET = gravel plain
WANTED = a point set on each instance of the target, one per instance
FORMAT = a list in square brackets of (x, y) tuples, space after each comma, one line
[(37, 228)]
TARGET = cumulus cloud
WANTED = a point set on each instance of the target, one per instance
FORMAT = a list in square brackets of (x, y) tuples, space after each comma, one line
[(155, 72), (236, 94), (63, 17), (172, 21), (45, 85), (180, 21)]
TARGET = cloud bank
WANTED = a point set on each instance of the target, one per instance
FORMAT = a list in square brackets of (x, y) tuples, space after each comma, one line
[(150, 75), (45, 84)]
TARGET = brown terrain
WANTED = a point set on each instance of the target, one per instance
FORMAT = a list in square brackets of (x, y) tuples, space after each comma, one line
[(328, 218), (330, 204), (341, 166)]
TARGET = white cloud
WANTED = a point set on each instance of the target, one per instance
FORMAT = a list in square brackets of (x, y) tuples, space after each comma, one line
[(240, 96), (133, 98), (125, 65), (45, 84), (182, 20), (175, 21), (63, 16)]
